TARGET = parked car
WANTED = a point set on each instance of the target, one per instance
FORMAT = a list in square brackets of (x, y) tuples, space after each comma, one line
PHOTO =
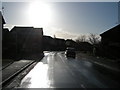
[(70, 52)]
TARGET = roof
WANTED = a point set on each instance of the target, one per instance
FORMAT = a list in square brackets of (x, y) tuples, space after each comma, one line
[(27, 30), (3, 21), (85, 43), (70, 40), (59, 39), (111, 31), (20, 29), (47, 37)]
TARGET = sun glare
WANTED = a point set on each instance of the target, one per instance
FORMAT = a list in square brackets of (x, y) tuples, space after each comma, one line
[(39, 14)]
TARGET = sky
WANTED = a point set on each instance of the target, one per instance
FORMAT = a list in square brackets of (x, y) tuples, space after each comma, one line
[(66, 20)]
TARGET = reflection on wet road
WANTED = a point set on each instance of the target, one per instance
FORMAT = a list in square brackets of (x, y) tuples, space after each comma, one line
[(56, 71)]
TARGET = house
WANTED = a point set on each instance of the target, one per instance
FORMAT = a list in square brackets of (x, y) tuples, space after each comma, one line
[(111, 37), (53, 43), (5, 38), (60, 44), (26, 40), (2, 21), (84, 46), (70, 43), (111, 42), (48, 43)]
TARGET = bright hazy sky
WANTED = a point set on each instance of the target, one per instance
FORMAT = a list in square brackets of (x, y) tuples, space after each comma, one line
[(63, 19)]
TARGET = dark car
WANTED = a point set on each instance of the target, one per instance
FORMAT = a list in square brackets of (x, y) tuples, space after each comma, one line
[(70, 52)]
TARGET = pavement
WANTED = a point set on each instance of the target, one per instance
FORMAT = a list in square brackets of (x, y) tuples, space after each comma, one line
[(5, 63), (105, 62), (108, 66), (11, 68), (14, 69)]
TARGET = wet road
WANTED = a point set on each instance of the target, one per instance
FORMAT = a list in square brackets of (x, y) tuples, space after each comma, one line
[(56, 71)]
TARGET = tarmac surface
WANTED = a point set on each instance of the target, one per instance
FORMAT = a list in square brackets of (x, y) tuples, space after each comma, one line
[(57, 71), (18, 65)]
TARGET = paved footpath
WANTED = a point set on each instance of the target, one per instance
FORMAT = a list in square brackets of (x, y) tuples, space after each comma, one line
[(14, 68), (107, 66), (106, 63)]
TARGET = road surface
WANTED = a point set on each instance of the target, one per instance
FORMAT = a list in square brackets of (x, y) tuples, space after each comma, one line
[(57, 71)]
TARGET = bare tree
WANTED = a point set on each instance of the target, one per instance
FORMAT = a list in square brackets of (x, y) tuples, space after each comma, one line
[(93, 38), (81, 38)]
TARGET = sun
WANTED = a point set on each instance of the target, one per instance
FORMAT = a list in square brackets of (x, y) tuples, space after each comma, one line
[(40, 14)]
